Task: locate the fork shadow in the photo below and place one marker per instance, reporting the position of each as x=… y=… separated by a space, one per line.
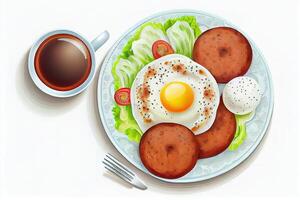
x=118 y=180
x=152 y=183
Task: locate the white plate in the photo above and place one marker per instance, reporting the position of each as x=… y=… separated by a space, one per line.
x=205 y=168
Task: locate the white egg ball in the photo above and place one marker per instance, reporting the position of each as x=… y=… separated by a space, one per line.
x=241 y=95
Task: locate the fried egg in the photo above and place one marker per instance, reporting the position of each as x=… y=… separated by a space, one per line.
x=175 y=89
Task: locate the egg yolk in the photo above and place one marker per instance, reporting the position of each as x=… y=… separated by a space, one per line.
x=176 y=96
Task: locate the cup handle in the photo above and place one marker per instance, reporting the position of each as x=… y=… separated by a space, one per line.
x=100 y=40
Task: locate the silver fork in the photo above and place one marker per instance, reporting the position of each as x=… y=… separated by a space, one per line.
x=117 y=168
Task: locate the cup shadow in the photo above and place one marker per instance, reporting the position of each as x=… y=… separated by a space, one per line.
x=35 y=99
x=152 y=183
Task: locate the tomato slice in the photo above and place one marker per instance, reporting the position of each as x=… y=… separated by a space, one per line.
x=161 y=48
x=122 y=96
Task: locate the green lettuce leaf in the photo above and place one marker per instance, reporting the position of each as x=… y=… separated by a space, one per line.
x=191 y=20
x=127 y=49
x=135 y=54
x=138 y=52
x=241 y=131
x=125 y=122
x=182 y=33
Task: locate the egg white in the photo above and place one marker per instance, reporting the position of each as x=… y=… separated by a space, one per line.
x=194 y=116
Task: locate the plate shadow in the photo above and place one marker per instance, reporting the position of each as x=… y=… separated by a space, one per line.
x=155 y=184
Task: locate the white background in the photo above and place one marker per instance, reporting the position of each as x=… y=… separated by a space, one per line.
x=52 y=148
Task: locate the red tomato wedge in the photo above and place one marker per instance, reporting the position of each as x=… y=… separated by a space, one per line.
x=161 y=48
x=122 y=96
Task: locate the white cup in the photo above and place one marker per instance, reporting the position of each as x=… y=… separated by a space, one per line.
x=92 y=48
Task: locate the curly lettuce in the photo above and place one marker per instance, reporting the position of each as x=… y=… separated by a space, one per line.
x=148 y=31
x=138 y=52
x=191 y=20
x=182 y=33
x=241 y=131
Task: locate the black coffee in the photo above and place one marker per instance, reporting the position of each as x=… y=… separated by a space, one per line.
x=63 y=62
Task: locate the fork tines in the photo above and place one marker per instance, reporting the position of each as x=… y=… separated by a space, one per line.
x=117 y=168
x=114 y=166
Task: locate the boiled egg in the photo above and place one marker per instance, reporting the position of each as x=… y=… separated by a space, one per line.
x=242 y=95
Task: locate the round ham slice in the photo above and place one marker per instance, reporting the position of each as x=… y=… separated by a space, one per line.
x=219 y=136
x=224 y=51
x=169 y=150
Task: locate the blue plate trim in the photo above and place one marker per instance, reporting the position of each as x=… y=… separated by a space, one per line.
x=227 y=167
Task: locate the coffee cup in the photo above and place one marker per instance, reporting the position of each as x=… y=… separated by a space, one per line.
x=61 y=63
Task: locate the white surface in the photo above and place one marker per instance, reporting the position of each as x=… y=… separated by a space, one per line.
x=52 y=148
